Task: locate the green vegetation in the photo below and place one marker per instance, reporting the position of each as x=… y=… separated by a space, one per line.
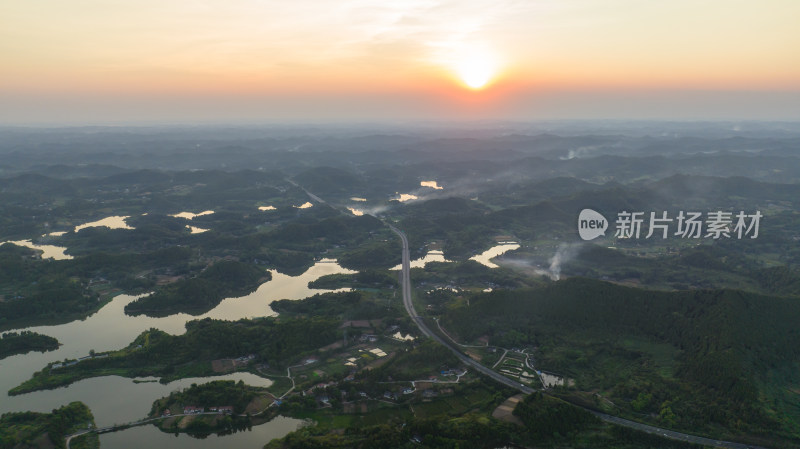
x=368 y=278
x=44 y=291
x=376 y=254
x=704 y=266
x=47 y=430
x=292 y=247
x=227 y=406
x=472 y=274
x=160 y=251
x=545 y=417
x=50 y=299
x=280 y=385
x=33 y=290
x=12 y=343
x=156 y=353
x=700 y=360
x=210 y=394
x=721 y=359
x=464 y=432
x=426 y=358
x=353 y=305
x=476 y=430
x=130 y=271
x=458 y=222
x=202 y=293
x=349 y=410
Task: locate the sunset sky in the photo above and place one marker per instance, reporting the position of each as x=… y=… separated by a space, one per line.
x=113 y=61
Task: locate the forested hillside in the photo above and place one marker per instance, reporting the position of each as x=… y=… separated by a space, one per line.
x=688 y=359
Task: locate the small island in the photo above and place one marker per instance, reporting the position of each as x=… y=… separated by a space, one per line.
x=13 y=343
x=219 y=406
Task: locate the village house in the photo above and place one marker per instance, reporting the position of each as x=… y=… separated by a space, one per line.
x=368 y=338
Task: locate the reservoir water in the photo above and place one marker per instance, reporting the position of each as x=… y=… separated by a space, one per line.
x=190 y=215
x=149 y=436
x=430 y=256
x=48 y=251
x=114 y=399
x=485 y=258
x=114 y=222
x=58 y=252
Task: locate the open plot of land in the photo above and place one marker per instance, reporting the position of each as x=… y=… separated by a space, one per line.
x=504 y=411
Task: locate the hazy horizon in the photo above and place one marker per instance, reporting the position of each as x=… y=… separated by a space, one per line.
x=185 y=62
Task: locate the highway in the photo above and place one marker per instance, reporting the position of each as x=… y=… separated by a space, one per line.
x=423 y=328
x=409 y=305
x=310 y=195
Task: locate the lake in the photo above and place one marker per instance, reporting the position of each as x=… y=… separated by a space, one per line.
x=115 y=399
x=485 y=258
x=48 y=251
x=58 y=252
x=115 y=222
x=150 y=436
x=430 y=256
x=190 y=215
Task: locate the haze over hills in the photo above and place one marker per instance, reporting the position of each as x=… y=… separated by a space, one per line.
x=175 y=234
x=420 y=224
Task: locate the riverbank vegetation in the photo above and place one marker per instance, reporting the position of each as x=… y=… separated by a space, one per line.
x=352 y=305
x=170 y=357
x=202 y=293
x=47 y=430
x=366 y=279
x=214 y=407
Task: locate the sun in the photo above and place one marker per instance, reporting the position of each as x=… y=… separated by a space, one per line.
x=476 y=70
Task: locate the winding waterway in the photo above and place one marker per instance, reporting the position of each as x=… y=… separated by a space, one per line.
x=485 y=258
x=115 y=399
x=113 y=222
x=430 y=256
x=48 y=251
x=149 y=436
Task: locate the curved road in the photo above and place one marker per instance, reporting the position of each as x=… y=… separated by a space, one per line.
x=409 y=305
